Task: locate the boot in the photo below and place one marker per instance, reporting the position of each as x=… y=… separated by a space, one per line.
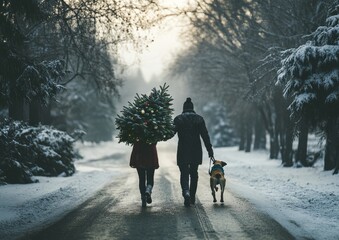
x=148 y=194
x=186 y=195
x=192 y=199
x=143 y=200
x=193 y=188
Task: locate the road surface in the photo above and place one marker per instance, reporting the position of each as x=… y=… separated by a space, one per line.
x=115 y=212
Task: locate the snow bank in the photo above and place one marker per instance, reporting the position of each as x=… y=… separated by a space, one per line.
x=27 y=206
x=303 y=200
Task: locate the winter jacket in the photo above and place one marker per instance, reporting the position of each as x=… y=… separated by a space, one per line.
x=144 y=155
x=190 y=127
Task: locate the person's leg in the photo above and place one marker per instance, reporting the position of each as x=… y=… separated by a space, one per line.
x=142 y=187
x=150 y=183
x=184 y=182
x=194 y=181
x=150 y=176
x=142 y=180
x=184 y=178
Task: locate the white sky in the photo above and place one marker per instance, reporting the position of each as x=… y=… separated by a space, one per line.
x=167 y=42
x=157 y=55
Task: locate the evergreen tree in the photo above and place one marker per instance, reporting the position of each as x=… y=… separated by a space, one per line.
x=219 y=125
x=310 y=76
x=147 y=119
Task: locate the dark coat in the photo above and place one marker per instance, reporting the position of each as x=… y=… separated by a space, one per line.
x=144 y=156
x=190 y=127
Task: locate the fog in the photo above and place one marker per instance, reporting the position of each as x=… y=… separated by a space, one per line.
x=146 y=68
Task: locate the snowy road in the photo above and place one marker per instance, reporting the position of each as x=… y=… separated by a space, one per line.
x=115 y=212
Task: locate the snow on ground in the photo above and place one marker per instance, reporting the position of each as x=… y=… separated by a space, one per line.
x=28 y=206
x=304 y=200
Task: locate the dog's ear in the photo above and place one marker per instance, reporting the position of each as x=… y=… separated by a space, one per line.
x=223 y=163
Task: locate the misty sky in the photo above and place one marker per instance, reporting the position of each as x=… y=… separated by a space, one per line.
x=167 y=41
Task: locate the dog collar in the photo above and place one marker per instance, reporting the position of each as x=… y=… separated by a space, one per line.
x=215 y=167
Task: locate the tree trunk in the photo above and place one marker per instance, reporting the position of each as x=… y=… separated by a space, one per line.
x=38 y=113
x=289 y=146
x=18 y=108
x=330 y=148
x=277 y=144
x=329 y=154
x=46 y=117
x=272 y=145
x=279 y=136
x=259 y=134
x=242 y=138
x=284 y=128
x=34 y=113
x=268 y=123
x=249 y=133
x=286 y=140
x=301 y=155
x=336 y=133
x=282 y=147
x=336 y=170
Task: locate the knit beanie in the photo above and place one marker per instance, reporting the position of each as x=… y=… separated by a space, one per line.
x=188 y=105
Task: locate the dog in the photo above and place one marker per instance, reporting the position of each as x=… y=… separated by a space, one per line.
x=217 y=176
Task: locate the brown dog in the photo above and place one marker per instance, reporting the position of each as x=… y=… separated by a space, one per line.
x=218 y=177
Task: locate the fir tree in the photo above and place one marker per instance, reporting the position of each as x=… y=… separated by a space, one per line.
x=147 y=119
x=310 y=76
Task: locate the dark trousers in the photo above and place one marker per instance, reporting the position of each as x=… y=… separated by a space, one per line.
x=189 y=178
x=146 y=177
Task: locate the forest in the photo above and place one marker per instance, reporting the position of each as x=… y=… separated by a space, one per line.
x=267 y=68
x=271 y=68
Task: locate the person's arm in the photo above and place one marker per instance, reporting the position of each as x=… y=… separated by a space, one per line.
x=206 y=138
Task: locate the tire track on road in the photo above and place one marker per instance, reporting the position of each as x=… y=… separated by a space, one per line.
x=205 y=223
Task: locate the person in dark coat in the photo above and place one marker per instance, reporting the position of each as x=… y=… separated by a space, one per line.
x=144 y=158
x=190 y=127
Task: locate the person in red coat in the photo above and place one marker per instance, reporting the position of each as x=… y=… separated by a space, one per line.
x=144 y=158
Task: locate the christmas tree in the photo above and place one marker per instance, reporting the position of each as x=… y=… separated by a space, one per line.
x=147 y=119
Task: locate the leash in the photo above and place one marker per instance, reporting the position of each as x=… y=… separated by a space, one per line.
x=209 y=168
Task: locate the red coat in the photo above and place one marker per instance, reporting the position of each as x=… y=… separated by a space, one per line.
x=144 y=156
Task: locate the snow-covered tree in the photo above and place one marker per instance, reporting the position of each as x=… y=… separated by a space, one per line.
x=28 y=151
x=83 y=108
x=17 y=21
x=219 y=126
x=40 y=81
x=310 y=75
